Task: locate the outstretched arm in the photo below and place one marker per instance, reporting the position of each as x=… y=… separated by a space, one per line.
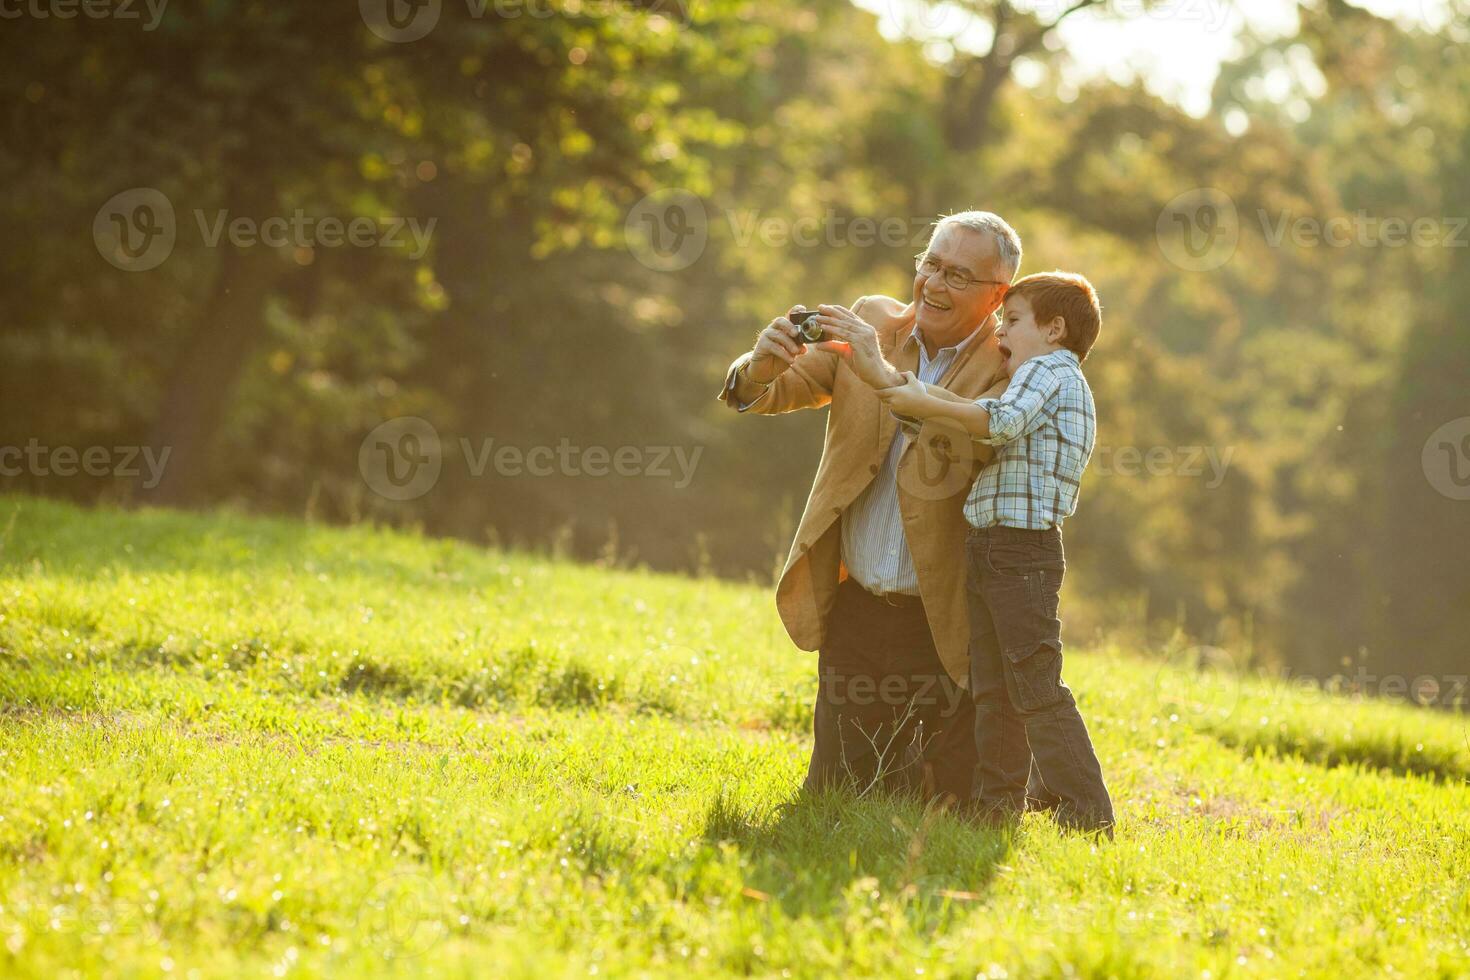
x=995 y=421
x=780 y=374
x=917 y=400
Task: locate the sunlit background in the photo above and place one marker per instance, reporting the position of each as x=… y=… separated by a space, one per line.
x=571 y=216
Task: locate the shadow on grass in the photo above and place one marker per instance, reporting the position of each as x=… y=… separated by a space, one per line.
x=822 y=850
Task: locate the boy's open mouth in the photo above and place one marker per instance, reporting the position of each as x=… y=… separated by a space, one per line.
x=1005 y=352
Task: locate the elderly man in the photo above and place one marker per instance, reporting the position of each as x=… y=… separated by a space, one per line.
x=875 y=580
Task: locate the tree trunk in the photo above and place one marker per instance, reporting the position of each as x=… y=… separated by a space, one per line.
x=196 y=399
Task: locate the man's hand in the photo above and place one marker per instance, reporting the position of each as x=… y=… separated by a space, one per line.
x=776 y=349
x=907 y=398
x=857 y=341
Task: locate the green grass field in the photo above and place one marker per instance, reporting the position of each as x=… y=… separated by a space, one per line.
x=233 y=746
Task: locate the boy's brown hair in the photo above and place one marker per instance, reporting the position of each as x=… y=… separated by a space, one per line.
x=1069 y=296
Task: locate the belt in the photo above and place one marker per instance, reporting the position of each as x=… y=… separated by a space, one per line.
x=899 y=600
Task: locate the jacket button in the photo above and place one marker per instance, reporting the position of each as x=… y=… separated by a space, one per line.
x=873 y=468
x=836 y=511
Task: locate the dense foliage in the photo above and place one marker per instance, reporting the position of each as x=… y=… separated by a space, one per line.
x=1270 y=422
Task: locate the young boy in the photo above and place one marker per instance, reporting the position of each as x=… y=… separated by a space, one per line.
x=1043 y=427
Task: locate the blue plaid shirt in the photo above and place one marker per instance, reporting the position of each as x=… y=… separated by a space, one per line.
x=1044 y=428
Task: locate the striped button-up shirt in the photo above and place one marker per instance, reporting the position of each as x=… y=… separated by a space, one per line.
x=1044 y=427
x=874 y=547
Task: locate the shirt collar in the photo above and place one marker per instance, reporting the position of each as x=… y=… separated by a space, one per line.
x=916 y=338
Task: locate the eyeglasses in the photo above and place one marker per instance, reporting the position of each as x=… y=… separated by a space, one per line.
x=954 y=278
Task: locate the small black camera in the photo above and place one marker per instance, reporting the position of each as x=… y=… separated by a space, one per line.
x=811 y=333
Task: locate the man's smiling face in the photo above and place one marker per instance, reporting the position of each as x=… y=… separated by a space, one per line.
x=947 y=315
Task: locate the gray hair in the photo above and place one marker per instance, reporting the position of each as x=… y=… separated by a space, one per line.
x=1007 y=242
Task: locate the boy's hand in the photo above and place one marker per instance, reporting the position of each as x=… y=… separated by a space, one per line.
x=857 y=341
x=905 y=398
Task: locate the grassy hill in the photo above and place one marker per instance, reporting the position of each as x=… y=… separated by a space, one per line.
x=242 y=747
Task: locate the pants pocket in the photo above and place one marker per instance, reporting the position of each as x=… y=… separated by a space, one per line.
x=1023 y=604
x=1035 y=674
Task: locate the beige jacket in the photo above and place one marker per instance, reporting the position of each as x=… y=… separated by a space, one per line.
x=934 y=477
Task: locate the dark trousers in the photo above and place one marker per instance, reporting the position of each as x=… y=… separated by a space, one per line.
x=887 y=713
x=1023 y=710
